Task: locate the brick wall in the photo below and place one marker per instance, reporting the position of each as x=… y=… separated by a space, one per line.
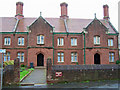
x=71 y=73
x=40 y=27
x=67 y=48
x=14 y=48
x=11 y=74
x=95 y=28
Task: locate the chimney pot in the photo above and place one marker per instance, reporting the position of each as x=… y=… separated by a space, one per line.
x=64 y=10
x=106 y=12
x=19 y=10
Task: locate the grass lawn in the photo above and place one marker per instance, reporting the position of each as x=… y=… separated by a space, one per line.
x=24 y=72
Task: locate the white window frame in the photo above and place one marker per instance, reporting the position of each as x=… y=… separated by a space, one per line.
x=111 y=56
x=40 y=39
x=74 y=56
x=7 y=41
x=110 y=42
x=21 y=56
x=60 y=56
x=21 y=41
x=7 y=56
x=60 y=41
x=73 y=41
x=96 y=40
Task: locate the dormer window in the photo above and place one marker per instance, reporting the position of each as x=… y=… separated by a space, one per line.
x=96 y=40
x=21 y=41
x=40 y=39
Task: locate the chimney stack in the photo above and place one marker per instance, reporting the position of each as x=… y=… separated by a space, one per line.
x=19 y=10
x=64 y=10
x=106 y=12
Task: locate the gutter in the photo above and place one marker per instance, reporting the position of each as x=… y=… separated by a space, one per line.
x=16 y=25
x=66 y=27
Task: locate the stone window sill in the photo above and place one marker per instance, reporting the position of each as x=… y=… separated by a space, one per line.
x=97 y=44
x=60 y=62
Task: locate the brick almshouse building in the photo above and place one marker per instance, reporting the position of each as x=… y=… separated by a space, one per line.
x=65 y=40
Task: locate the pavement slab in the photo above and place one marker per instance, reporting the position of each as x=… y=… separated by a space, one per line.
x=38 y=76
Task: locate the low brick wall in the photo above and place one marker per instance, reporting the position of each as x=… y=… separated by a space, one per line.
x=70 y=73
x=11 y=74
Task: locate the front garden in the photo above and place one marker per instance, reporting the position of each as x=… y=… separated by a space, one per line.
x=24 y=71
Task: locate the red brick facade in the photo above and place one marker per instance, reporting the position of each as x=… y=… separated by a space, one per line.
x=83 y=30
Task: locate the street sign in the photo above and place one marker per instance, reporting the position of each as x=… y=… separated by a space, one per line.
x=2 y=50
x=58 y=74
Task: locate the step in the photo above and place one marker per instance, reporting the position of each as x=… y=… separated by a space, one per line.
x=32 y=84
x=40 y=67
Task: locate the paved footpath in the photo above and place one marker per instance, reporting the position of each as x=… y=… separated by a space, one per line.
x=38 y=76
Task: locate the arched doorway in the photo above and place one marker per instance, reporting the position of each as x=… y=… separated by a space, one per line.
x=40 y=60
x=97 y=58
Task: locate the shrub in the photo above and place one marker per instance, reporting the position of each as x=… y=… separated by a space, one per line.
x=22 y=68
x=77 y=63
x=22 y=65
x=118 y=62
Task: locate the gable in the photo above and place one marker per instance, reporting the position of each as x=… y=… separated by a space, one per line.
x=40 y=22
x=95 y=24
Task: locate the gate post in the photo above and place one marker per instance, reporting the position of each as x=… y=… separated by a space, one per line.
x=17 y=70
x=49 y=70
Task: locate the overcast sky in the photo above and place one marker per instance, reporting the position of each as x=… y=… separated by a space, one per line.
x=51 y=8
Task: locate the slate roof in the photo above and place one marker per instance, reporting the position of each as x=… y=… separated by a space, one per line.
x=7 y=24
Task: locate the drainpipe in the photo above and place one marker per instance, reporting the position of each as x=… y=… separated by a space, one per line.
x=53 y=45
x=84 y=46
x=27 y=43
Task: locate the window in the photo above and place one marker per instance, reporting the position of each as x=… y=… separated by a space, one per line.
x=73 y=41
x=21 y=41
x=60 y=57
x=96 y=39
x=111 y=57
x=21 y=56
x=7 y=41
x=110 y=42
x=60 y=41
x=74 y=57
x=7 y=56
x=40 y=39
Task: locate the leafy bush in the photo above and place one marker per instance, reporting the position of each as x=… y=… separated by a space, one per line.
x=118 y=62
x=22 y=65
x=77 y=63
